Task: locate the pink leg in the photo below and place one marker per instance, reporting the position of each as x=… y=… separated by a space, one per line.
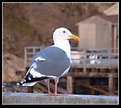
x=48 y=85
x=56 y=89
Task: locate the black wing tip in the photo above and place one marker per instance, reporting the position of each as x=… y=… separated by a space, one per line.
x=36 y=79
x=20 y=83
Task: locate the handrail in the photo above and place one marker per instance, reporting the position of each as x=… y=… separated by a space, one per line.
x=80 y=56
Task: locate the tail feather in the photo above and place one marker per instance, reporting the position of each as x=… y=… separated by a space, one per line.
x=32 y=77
x=27 y=82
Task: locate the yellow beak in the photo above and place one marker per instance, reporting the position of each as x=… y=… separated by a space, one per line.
x=74 y=37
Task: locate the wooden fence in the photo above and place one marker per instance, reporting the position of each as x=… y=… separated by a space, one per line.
x=85 y=58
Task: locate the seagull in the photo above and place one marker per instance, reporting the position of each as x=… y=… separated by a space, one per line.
x=52 y=62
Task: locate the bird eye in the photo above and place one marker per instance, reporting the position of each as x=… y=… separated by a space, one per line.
x=64 y=31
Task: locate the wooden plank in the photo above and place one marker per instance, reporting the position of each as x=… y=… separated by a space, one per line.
x=84 y=62
x=29 y=53
x=90 y=74
x=93 y=66
x=69 y=84
x=94 y=88
x=111 y=84
x=41 y=86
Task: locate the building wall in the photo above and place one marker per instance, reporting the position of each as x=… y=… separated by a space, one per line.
x=95 y=35
x=87 y=35
x=103 y=35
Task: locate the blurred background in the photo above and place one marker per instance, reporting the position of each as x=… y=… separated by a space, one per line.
x=32 y=24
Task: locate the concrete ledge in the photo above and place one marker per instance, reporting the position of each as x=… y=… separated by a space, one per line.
x=42 y=99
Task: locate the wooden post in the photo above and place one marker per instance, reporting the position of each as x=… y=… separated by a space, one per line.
x=110 y=83
x=69 y=84
x=109 y=58
x=84 y=61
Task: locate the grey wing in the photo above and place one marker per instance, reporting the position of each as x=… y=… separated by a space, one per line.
x=50 y=63
x=55 y=63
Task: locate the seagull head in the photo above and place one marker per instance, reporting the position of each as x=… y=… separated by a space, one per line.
x=63 y=34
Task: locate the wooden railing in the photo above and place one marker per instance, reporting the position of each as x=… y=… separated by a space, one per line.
x=29 y=52
x=82 y=58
